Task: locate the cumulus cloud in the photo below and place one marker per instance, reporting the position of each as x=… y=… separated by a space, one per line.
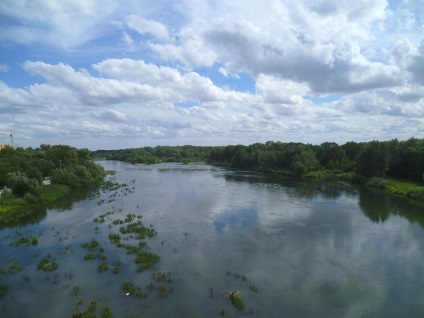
x=65 y=24
x=147 y=27
x=213 y=72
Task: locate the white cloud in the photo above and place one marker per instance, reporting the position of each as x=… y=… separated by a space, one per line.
x=213 y=72
x=147 y=27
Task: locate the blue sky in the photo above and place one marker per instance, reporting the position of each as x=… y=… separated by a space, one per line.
x=111 y=74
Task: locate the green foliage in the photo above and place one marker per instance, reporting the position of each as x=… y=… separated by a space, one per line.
x=162 y=277
x=20 y=184
x=22 y=171
x=164 y=291
x=237 y=302
x=47 y=264
x=132 y=290
x=373 y=160
x=377 y=183
x=146 y=260
x=3 y=290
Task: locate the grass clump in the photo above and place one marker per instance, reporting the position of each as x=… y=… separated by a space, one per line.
x=92 y=246
x=237 y=302
x=3 y=290
x=47 y=264
x=146 y=260
x=164 y=291
x=162 y=277
x=25 y=241
x=115 y=238
x=91 y=311
x=132 y=290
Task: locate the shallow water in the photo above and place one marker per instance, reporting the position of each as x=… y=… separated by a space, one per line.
x=324 y=249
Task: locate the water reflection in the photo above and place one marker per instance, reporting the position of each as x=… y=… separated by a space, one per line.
x=309 y=248
x=378 y=205
x=242 y=218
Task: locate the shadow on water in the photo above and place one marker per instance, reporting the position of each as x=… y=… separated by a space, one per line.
x=378 y=205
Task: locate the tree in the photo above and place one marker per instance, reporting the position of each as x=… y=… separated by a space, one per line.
x=373 y=160
x=304 y=162
x=20 y=184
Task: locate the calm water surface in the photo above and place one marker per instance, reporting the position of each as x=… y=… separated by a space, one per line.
x=325 y=249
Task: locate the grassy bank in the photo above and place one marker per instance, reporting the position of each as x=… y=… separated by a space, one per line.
x=48 y=194
x=397 y=186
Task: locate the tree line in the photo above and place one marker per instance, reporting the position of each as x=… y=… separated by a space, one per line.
x=22 y=171
x=394 y=158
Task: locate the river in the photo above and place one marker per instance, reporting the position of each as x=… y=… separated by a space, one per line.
x=286 y=249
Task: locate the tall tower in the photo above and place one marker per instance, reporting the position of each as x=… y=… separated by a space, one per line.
x=11 y=139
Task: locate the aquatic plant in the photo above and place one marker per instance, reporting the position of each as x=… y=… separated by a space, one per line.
x=13 y=268
x=47 y=264
x=91 y=310
x=131 y=290
x=34 y=241
x=103 y=267
x=106 y=313
x=25 y=241
x=237 y=302
x=253 y=288
x=114 y=238
x=92 y=246
x=162 y=277
x=164 y=291
x=76 y=290
x=3 y=290
x=146 y=260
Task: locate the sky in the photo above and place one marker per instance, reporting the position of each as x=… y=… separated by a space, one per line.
x=114 y=74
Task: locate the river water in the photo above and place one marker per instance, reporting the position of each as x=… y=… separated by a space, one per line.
x=290 y=249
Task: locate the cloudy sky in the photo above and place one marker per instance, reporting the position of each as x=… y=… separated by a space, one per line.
x=111 y=74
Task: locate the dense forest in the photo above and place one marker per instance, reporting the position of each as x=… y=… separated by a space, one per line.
x=22 y=171
x=365 y=161
x=42 y=174
x=401 y=159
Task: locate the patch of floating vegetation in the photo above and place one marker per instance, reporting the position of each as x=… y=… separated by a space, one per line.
x=26 y=241
x=3 y=290
x=76 y=290
x=131 y=290
x=91 y=310
x=234 y=295
x=237 y=302
x=164 y=291
x=12 y=268
x=47 y=264
x=146 y=260
x=162 y=277
x=138 y=231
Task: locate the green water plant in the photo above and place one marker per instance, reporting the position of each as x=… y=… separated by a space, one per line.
x=3 y=290
x=47 y=264
x=162 y=277
x=237 y=302
x=146 y=260
x=164 y=291
x=131 y=290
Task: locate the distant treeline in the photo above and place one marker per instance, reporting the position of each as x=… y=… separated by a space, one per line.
x=22 y=172
x=401 y=159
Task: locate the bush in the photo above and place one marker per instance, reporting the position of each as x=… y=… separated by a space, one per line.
x=6 y=194
x=417 y=194
x=377 y=183
x=21 y=184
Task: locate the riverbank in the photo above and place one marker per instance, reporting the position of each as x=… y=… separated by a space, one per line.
x=400 y=187
x=48 y=194
x=403 y=187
